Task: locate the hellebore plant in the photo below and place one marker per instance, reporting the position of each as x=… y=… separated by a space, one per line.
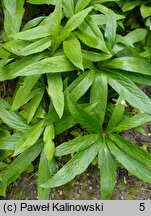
x=91 y=67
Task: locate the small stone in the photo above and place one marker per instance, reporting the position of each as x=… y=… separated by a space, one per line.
x=60 y=193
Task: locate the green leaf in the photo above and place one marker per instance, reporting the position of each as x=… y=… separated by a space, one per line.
x=74 y=55
x=73 y=23
x=82 y=116
x=86 y=35
x=105 y=10
x=133 y=122
x=90 y=34
x=13 y=14
x=129 y=5
x=96 y=30
x=110 y=30
x=48 y=65
x=68 y=7
x=133 y=37
x=81 y=5
x=12 y=119
x=9 y=142
x=102 y=1
x=145 y=11
x=29 y=138
x=77 y=165
x=99 y=93
x=8 y=72
x=131 y=149
x=19 y=166
x=107 y=165
x=56 y=25
x=40 y=31
x=34 y=103
x=76 y=145
x=24 y=91
x=80 y=85
x=136 y=78
x=132 y=93
x=133 y=64
x=131 y=164
x=49 y=146
x=95 y=56
x=43 y=175
x=32 y=23
x=55 y=91
x=25 y=48
x=40 y=1
x=66 y=122
x=117 y=113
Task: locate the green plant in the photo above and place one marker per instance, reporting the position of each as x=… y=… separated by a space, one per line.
x=82 y=56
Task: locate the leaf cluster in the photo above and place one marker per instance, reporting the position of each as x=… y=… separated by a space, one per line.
x=82 y=64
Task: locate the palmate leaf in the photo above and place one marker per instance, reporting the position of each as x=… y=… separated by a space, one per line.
x=133 y=95
x=107 y=165
x=76 y=145
x=77 y=165
x=131 y=149
x=19 y=166
x=133 y=122
x=55 y=91
x=99 y=92
x=131 y=164
x=29 y=138
x=13 y=14
x=74 y=55
x=117 y=113
x=24 y=91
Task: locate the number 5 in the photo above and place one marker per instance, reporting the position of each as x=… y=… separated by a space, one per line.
x=142 y=206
